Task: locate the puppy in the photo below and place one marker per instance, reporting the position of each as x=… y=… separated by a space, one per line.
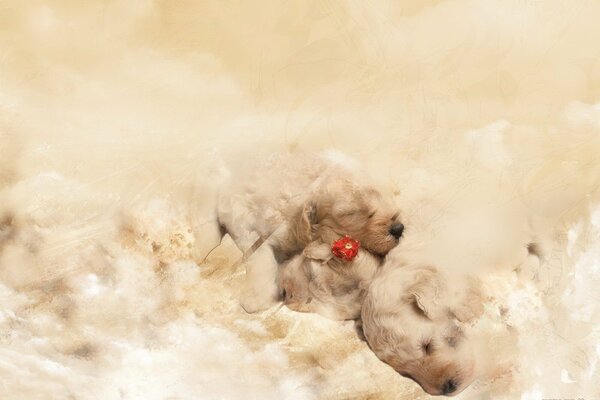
x=318 y=281
x=274 y=208
x=412 y=320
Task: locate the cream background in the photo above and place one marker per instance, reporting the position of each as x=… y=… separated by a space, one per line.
x=481 y=115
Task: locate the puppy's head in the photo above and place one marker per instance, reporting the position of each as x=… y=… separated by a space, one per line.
x=410 y=324
x=316 y=281
x=343 y=207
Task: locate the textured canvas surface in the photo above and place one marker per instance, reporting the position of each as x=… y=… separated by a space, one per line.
x=482 y=116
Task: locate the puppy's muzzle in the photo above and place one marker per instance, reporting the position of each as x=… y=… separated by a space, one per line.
x=396 y=230
x=449 y=387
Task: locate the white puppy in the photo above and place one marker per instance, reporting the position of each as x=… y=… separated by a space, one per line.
x=318 y=281
x=274 y=208
x=412 y=319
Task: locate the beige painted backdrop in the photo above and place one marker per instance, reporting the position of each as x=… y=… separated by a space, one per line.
x=114 y=115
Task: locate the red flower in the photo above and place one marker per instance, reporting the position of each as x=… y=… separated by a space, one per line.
x=345 y=248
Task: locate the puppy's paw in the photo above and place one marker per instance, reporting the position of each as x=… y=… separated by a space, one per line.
x=468 y=313
x=252 y=304
x=470 y=308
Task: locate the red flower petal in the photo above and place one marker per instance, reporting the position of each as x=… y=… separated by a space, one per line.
x=345 y=248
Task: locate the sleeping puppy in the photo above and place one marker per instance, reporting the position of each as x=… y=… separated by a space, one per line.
x=318 y=281
x=274 y=208
x=413 y=320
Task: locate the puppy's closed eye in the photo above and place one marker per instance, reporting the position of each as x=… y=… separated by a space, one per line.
x=452 y=341
x=454 y=337
x=427 y=347
x=348 y=213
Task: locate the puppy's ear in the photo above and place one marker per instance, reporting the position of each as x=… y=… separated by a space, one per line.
x=318 y=250
x=424 y=293
x=301 y=226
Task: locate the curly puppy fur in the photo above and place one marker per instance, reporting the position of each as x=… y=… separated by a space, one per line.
x=274 y=208
x=413 y=320
x=316 y=281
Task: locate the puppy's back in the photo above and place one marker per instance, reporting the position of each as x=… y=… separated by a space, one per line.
x=262 y=193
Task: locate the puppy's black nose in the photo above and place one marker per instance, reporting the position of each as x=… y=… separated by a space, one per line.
x=449 y=386
x=396 y=230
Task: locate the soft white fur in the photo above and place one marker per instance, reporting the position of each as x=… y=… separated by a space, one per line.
x=412 y=320
x=316 y=281
x=421 y=307
x=274 y=207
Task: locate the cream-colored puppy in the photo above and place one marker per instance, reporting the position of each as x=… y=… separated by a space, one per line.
x=275 y=207
x=317 y=281
x=413 y=320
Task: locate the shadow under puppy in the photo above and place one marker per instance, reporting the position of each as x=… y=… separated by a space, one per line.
x=273 y=209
